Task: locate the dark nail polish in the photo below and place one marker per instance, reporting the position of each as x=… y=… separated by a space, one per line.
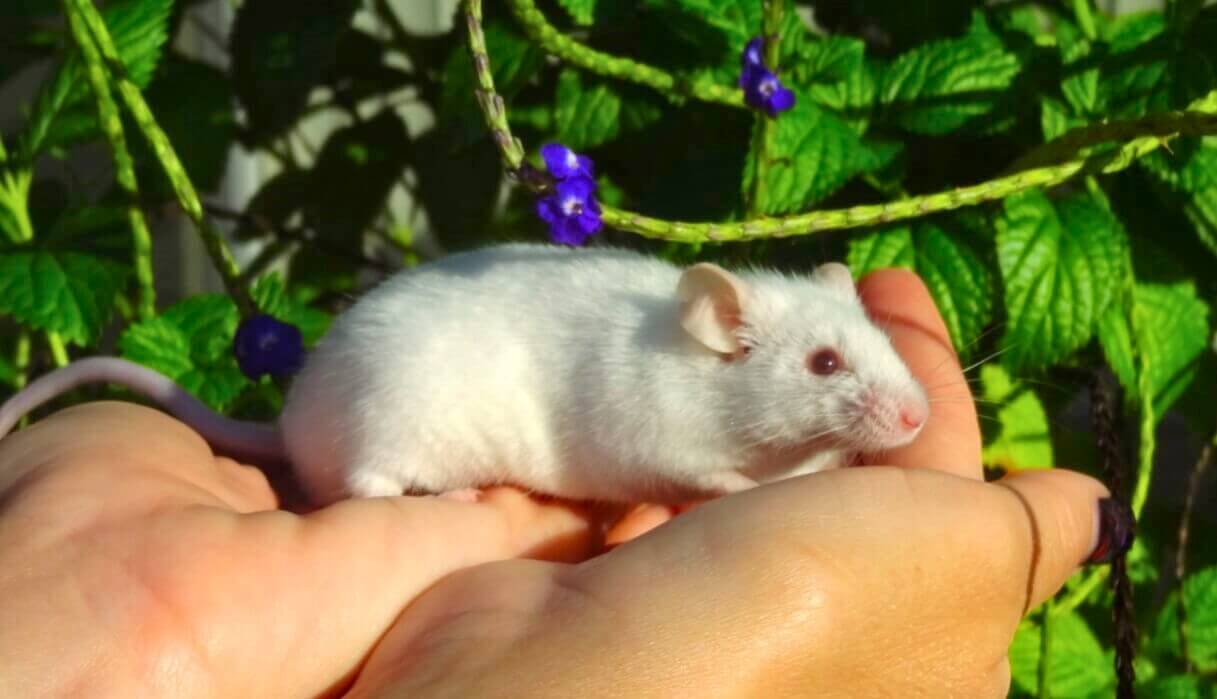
x=1116 y=531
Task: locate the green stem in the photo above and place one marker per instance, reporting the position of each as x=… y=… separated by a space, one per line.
x=541 y=31
x=187 y=197
x=15 y=193
x=59 y=353
x=1145 y=455
x=763 y=130
x=1041 y=671
x=1085 y=17
x=1083 y=591
x=124 y=167
x=1060 y=163
x=493 y=107
x=21 y=359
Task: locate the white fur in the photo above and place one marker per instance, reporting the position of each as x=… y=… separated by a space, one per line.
x=568 y=372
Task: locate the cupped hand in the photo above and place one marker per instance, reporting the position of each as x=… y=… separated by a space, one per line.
x=133 y=562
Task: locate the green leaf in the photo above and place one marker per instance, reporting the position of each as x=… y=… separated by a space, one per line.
x=590 y=116
x=63 y=113
x=582 y=11
x=279 y=57
x=959 y=279
x=939 y=87
x=1172 y=687
x=840 y=79
x=1200 y=589
x=1191 y=179
x=1171 y=326
x=1061 y=265
x=273 y=298
x=892 y=247
x=1021 y=438
x=953 y=270
x=811 y=154
x=191 y=343
x=64 y=292
x=1077 y=666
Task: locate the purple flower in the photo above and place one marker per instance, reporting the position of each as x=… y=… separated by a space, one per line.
x=264 y=345
x=762 y=89
x=563 y=162
x=572 y=212
x=753 y=56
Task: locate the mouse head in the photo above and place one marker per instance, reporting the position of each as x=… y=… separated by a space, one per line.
x=803 y=362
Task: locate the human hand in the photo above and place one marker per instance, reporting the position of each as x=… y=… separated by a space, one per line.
x=904 y=580
x=184 y=578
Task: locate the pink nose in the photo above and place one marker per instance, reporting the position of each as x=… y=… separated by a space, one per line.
x=913 y=416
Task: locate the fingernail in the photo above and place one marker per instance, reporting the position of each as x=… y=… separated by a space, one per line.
x=1116 y=531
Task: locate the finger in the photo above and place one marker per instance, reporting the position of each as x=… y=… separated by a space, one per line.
x=81 y=451
x=950 y=441
x=1061 y=510
x=637 y=522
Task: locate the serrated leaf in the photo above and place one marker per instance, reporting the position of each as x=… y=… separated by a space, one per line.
x=959 y=279
x=582 y=11
x=1061 y=265
x=811 y=154
x=1191 y=179
x=956 y=275
x=1019 y=437
x=938 y=87
x=65 y=292
x=587 y=116
x=279 y=57
x=1077 y=666
x=840 y=79
x=273 y=298
x=708 y=36
x=1171 y=327
x=191 y=343
x=881 y=249
x=63 y=112
x=1200 y=587
x=1055 y=118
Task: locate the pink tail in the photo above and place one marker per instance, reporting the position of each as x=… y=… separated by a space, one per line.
x=258 y=442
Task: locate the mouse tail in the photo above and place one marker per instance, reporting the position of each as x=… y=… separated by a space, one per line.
x=255 y=441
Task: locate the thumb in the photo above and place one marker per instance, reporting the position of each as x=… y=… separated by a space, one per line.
x=1070 y=517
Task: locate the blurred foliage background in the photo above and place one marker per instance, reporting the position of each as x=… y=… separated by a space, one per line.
x=894 y=100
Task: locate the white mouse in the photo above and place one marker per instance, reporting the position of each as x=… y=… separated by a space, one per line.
x=591 y=374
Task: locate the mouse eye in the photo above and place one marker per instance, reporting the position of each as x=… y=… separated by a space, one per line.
x=824 y=362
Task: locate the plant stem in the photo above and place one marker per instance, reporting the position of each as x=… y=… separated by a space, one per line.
x=124 y=167
x=763 y=130
x=1185 y=521
x=21 y=359
x=1041 y=671
x=540 y=30
x=1058 y=160
x=167 y=157
x=1083 y=13
x=59 y=353
x=15 y=191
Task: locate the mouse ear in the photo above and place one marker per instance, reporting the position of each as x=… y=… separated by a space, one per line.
x=837 y=276
x=710 y=306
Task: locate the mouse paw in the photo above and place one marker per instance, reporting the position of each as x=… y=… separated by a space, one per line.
x=463 y=495
x=373 y=485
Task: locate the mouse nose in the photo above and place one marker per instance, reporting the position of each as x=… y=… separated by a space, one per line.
x=913 y=415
